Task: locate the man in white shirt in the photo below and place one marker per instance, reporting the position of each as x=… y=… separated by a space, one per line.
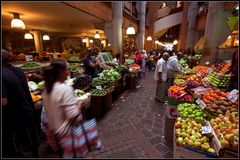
x=172 y=67
x=161 y=77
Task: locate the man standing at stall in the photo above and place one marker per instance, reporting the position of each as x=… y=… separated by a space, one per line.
x=172 y=67
x=19 y=134
x=161 y=77
x=90 y=64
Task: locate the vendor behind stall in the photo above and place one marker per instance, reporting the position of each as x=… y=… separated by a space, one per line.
x=90 y=64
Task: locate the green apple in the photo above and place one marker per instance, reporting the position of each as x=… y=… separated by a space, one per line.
x=193 y=138
x=180 y=140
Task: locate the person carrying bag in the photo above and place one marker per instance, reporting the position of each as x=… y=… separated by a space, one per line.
x=67 y=131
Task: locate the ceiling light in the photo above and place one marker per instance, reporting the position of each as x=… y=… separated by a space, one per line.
x=102 y=41
x=17 y=22
x=130 y=30
x=46 y=37
x=237 y=7
x=28 y=36
x=109 y=44
x=91 y=41
x=229 y=37
x=237 y=41
x=175 y=42
x=97 y=35
x=156 y=42
x=149 y=38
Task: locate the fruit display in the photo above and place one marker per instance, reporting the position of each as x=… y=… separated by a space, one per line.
x=180 y=76
x=180 y=82
x=226 y=128
x=189 y=133
x=189 y=71
x=98 y=92
x=82 y=81
x=31 y=65
x=74 y=58
x=222 y=67
x=129 y=61
x=193 y=81
x=20 y=57
x=134 y=67
x=218 y=79
x=176 y=92
x=36 y=98
x=214 y=95
x=193 y=111
x=221 y=106
x=183 y=63
x=200 y=68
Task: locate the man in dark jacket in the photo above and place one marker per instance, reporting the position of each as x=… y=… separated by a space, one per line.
x=19 y=135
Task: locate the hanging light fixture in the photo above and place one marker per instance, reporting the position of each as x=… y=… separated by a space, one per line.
x=102 y=41
x=91 y=41
x=130 y=30
x=28 y=36
x=46 y=37
x=17 y=22
x=149 y=38
x=229 y=37
x=156 y=41
x=97 y=35
x=109 y=44
x=175 y=42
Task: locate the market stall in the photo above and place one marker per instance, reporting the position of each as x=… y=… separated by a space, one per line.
x=205 y=113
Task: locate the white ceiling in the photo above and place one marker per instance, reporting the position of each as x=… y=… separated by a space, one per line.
x=52 y=17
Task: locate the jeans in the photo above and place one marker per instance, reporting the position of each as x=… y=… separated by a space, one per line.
x=150 y=65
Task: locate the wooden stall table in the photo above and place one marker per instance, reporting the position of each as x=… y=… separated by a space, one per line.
x=107 y=100
x=131 y=81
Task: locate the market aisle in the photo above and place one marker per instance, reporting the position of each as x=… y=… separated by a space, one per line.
x=133 y=128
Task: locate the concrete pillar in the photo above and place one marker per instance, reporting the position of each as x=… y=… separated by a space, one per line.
x=117 y=10
x=141 y=33
x=192 y=25
x=182 y=38
x=216 y=31
x=87 y=42
x=38 y=41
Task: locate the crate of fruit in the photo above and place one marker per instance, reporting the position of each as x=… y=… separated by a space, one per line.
x=174 y=101
x=194 y=140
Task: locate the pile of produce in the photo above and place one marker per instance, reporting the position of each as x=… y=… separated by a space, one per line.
x=201 y=68
x=81 y=95
x=105 y=57
x=98 y=92
x=218 y=79
x=32 y=86
x=121 y=69
x=41 y=85
x=179 y=82
x=193 y=81
x=112 y=75
x=36 y=98
x=189 y=132
x=134 y=67
x=31 y=65
x=98 y=81
x=226 y=127
x=74 y=67
x=179 y=93
x=188 y=110
x=74 y=58
x=129 y=61
x=189 y=71
x=183 y=63
x=214 y=95
x=221 y=106
x=198 y=55
x=180 y=76
x=222 y=67
x=82 y=81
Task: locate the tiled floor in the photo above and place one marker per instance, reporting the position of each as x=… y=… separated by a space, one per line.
x=133 y=128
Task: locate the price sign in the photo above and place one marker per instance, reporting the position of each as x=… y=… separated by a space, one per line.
x=99 y=87
x=210 y=70
x=55 y=55
x=233 y=95
x=28 y=57
x=101 y=74
x=201 y=103
x=206 y=129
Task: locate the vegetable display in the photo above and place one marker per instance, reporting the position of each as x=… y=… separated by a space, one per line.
x=74 y=58
x=82 y=81
x=41 y=85
x=98 y=92
x=74 y=67
x=31 y=65
x=81 y=95
x=112 y=75
x=32 y=86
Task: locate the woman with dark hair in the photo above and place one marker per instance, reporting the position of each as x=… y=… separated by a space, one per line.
x=60 y=103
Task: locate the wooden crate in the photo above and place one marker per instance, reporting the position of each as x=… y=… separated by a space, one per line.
x=131 y=83
x=95 y=110
x=107 y=102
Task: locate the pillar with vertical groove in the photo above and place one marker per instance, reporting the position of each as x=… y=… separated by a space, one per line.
x=141 y=33
x=117 y=10
x=38 y=41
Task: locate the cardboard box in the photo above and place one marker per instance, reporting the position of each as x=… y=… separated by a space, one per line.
x=185 y=151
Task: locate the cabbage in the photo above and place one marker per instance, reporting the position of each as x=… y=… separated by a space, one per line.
x=41 y=85
x=32 y=86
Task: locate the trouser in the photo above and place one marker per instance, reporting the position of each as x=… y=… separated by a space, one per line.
x=161 y=90
x=169 y=82
x=150 y=65
x=20 y=144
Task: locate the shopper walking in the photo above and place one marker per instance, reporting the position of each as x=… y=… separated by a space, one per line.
x=19 y=131
x=144 y=63
x=161 y=77
x=62 y=108
x=172 y=67
x=150 y=61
